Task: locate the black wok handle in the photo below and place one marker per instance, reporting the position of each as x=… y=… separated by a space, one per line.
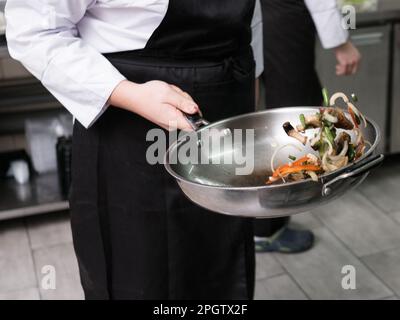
x=196 y=120
x=355 y=170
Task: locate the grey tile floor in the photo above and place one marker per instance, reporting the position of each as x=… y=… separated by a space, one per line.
x=361 y=229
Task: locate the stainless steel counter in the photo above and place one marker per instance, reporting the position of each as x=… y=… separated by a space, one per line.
x=41 y=195
x=374 y=37
x=388 y=11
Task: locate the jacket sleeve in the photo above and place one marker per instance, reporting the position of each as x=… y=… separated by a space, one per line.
x=43 y=36
x=328 y=21
x=257 y=39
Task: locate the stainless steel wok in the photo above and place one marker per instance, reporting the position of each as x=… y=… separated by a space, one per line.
x=219 y=188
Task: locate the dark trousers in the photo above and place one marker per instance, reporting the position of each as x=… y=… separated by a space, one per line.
x=290 y=77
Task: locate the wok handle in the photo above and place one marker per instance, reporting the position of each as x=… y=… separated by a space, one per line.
x=196 y=120
x=355 y=170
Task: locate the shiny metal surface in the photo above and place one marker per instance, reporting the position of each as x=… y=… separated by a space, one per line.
x=218 y=188
x=41 y=195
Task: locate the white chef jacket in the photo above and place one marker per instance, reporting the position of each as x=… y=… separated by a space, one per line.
x=60 y=42
x=328 y=22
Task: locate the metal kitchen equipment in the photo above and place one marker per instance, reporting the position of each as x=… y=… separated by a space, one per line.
x=372 y=80
x=218 y=188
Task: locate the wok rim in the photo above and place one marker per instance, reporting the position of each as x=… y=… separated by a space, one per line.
x=322 y=179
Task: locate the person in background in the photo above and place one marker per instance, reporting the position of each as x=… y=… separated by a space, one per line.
x=291 y=79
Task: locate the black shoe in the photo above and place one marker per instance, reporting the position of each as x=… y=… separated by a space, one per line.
x=286 y=240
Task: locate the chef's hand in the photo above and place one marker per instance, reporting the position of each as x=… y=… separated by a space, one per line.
x=157 y=101
x=348 y=59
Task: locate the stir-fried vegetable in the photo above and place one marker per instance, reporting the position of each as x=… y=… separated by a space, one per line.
x=329 y=135
x=304 y=165
x=335 y=148
x=351 y=153
x=293 y=169
x=303 y=121
x=325 y=97
x=356 y=120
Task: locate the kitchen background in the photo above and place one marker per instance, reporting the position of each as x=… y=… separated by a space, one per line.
x=362 y=229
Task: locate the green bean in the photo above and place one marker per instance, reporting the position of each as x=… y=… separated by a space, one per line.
x=329 y=135
x=325 y=95
x=303 y=120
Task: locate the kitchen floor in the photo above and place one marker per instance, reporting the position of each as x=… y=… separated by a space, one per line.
x=361 y=229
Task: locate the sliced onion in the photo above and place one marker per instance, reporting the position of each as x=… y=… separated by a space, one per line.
x=363 y=151
x=345 y=149
x=282 y=177
x=314 y=140
x=338 y=162
x=342 y=153
x=279 y=149
x=364 y=120
x=357 y=113
x=331 y=149
x=324 y=162
x=355 y=110
x=330 y=118
x=336 y=96
x=359 y=136
x=313 y=175
x=272 y=179
x=344 y=162
x=326 y=165
x=313 y=158
x=368 y=143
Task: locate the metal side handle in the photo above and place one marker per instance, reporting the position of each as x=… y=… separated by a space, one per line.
x=355 y=170
x=367 y=39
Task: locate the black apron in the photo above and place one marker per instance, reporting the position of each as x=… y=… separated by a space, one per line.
x=289 y=55
x=135 y=235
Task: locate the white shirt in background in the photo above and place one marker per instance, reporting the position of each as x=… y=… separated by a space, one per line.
x=328 y=22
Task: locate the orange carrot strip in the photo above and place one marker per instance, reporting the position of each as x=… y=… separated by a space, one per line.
x=300 y=168
x=287 y=165
x=300 y=161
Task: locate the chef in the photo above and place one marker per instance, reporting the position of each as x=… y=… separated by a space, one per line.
x=123 y=67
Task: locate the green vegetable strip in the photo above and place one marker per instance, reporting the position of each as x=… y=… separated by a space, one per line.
x=333 y=130
x=329 y=135
x=293 y=158
x=322 y=149
x=303 y=120
x=326 y=97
